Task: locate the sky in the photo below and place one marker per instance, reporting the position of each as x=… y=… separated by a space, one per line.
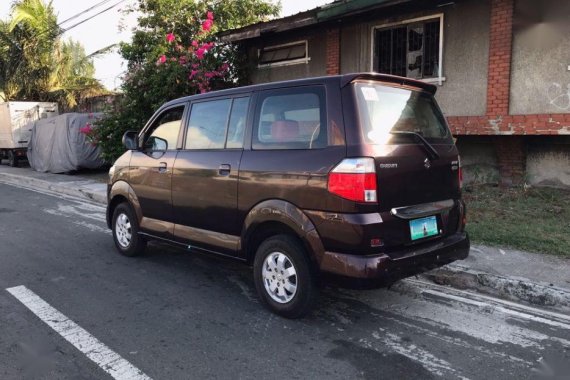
x=112 y=27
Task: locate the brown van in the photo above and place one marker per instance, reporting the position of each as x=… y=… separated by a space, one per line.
x=353 y=177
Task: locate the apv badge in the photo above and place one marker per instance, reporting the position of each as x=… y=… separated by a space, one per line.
x=427 y=163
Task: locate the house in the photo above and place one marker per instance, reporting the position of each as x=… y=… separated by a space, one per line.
x=502 y=68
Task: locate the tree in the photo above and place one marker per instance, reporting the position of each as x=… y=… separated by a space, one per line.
x=175 y=52
x=35 y=64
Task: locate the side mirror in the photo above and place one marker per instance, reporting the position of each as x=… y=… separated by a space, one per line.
x=130 y=140
x=156 y=144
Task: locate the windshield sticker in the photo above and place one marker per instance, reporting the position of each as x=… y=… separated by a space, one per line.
x=370 y=94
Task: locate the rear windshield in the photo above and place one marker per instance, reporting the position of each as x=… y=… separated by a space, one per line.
x=384 y=110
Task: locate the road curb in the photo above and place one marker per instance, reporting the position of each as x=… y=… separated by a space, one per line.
x=78 y=189
x=515 y=289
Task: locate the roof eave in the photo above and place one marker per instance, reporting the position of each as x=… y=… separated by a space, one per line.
x=326 y=13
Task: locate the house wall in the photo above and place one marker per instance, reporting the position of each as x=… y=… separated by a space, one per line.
x=548 y=161
x=465 y=54
x=540 y=79
x=315 y=67
x=507 y=82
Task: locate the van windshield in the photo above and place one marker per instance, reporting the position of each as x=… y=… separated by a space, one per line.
x=384 y=111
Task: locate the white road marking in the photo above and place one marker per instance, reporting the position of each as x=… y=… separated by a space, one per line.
x=432 y=363
x=93 y=227
x=103 y=356
x=73 y=211
x=92 y=204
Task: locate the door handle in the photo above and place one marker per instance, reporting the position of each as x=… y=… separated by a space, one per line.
x=162 y=167
x=224 y=169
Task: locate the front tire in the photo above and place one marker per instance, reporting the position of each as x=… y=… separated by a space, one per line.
x=126 y=231
x=283 y=277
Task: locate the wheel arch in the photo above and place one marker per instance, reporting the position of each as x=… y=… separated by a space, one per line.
x=273 y=217
x=121 y=192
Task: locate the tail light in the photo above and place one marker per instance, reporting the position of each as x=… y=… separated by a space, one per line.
x=460 y=172
x=354 y=179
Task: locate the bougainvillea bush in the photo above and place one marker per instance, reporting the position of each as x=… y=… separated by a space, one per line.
x=175 y=52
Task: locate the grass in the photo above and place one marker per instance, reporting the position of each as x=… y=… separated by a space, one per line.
x=533 y=219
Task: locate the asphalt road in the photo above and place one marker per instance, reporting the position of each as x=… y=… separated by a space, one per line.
x=178 y=315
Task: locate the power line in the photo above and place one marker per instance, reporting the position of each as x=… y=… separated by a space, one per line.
x=63 y=30
x=84 y=11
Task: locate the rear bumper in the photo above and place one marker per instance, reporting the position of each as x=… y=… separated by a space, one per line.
x=382 y=270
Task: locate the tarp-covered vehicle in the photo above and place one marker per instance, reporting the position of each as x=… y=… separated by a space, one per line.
x=59 y=144
x=15 y=121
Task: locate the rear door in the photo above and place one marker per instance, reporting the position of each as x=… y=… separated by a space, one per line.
x=417 y=163
x=205 y=183
x=406 y=133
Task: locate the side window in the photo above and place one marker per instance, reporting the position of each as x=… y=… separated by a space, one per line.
x=166 y=127
x=236 y=127
x=291 y=119
x=207 y=125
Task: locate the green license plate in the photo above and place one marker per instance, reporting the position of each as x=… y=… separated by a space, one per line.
x=424 y=227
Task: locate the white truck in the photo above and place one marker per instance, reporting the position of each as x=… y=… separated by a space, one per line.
x=15 y=124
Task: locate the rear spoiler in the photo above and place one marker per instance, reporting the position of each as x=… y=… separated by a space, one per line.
x=349 y=78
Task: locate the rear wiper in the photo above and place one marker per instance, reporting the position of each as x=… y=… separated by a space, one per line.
x=432 y=153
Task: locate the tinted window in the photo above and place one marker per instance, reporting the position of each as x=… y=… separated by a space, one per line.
x=167 y=127
x=384 y=110
x=291 y=120
x=207 y=125
x=237 y=123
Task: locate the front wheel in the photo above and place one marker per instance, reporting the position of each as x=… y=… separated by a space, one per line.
x=283 y=277
x=125 y=231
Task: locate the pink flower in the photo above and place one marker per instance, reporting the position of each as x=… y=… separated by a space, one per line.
x=210 y=74
x=86 y=129
x=161 y=59
x=182 y=60
x=195 y=66
x=170 y=37
x=210 y=15
x=225 y=67
x=207 y=46
x=193 y=74
x=195 y=43
x=207 y=25
x=200 y=53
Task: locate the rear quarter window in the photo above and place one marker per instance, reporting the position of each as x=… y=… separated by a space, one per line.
x=291 y=119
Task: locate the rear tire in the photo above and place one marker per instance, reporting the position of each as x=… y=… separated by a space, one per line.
x=283 y=277
x=126 y=231
x=12 y=159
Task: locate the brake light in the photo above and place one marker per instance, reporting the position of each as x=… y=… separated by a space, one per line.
x=460 y=172
x=354 y=179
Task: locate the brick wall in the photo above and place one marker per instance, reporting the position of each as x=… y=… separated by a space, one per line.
x=511 y=157
x=333 y=51
x=500 y=51
x=544 y=124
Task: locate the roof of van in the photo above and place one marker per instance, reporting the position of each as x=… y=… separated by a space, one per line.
x=342 y=81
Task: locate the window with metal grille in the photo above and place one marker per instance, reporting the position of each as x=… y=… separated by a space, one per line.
x=295 y=52
x=410 y=50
